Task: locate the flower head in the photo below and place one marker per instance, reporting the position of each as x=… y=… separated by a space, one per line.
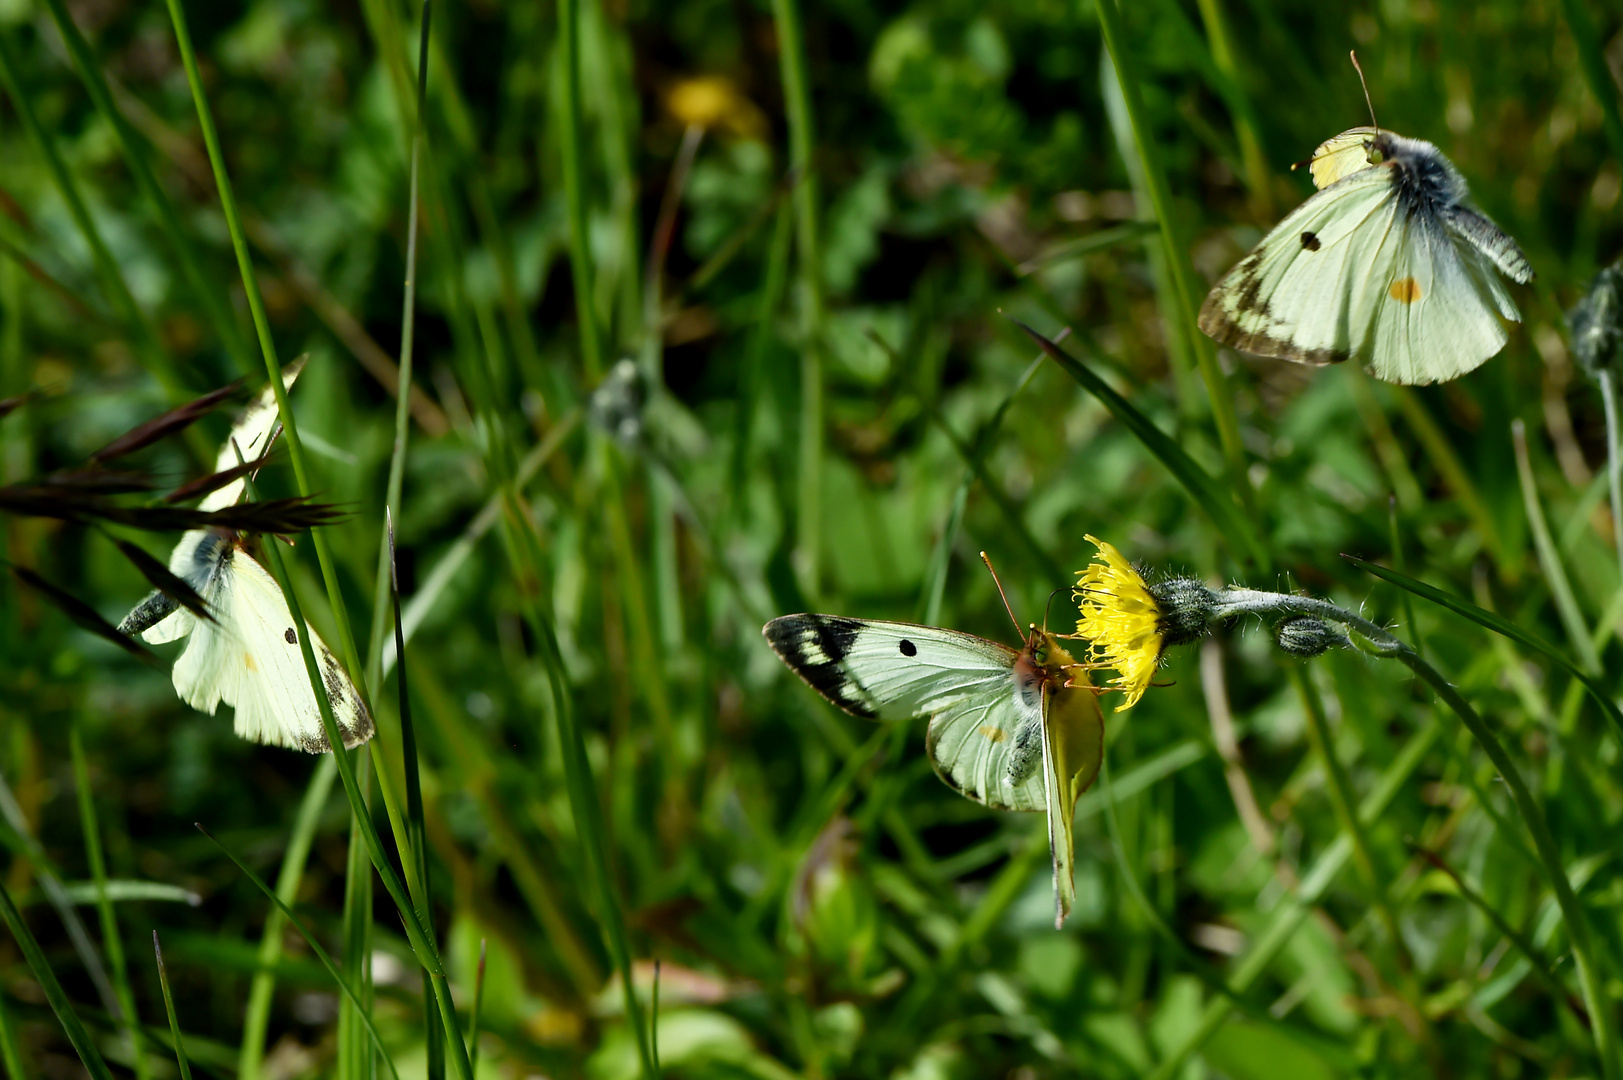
x=1121 y=620
x=1129 y=622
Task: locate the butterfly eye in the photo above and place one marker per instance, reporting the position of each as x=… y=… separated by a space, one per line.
x=1375 y=154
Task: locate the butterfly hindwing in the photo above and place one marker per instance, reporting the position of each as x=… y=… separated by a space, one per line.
x=1073 y=749
x=250 y=659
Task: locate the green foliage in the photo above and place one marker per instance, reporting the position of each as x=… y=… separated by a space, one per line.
x=830 y=399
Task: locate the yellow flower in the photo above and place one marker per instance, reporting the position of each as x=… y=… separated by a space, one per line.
x=714 y=101
x=1121 y=620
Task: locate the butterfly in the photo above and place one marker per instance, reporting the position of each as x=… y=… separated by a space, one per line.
x=1015 y=729
x=1387 y=263
x=248 y=656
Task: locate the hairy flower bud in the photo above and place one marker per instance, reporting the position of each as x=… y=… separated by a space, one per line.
x=1304 y=635
x=1186 y=609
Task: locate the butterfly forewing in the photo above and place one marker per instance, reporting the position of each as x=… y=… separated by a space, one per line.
x=890 y=670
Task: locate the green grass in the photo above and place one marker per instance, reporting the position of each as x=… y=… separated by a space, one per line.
x=589 y=766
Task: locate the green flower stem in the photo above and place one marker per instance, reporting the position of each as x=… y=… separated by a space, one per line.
x=1228 y=428
x=1614 y=466
x=797 y=102
x=1583 y=950
x=1369 y=638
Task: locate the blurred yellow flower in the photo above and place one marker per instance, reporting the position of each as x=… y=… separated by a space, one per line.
x=714 y=101
x=1121 y=620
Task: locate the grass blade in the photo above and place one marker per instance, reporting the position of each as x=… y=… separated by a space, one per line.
x=1490 y=621
x=808 y=250
x=1200 y=484
x=256 y=1017
x=1177 y=256
x=169 y=1010
x=1555 y=572
x=54 y=994
x=111 y=941
x=315 y=947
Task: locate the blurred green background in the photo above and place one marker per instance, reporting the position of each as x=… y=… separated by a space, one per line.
x=823 y=341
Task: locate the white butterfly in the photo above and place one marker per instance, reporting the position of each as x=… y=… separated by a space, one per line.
x=1388 y=264
x=249 y=656
x=1007 y=728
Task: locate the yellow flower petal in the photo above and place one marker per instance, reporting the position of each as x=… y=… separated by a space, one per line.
x=1121 y=621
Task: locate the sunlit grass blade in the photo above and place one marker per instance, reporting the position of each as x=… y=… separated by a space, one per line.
x=169 y=1010
x=1498 y=625
x=315 y=947
x=1555 y=571
x=256 y=1016
x=55 y=996
x=478 y=1004
x=1200 y=484
x=111 y=941
x=10 y=1049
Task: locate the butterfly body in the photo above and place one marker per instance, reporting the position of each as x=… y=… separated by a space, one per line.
x=1388 y=263
x=1007 y=727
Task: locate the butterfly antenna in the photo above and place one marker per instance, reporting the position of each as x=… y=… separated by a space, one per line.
x=1361 y=81
x=1019 y=632
x=1049 y=605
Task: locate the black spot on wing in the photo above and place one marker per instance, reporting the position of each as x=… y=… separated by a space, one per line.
x=291 y=637
x=908 y=648
x=1310 y=241
x=815 y=648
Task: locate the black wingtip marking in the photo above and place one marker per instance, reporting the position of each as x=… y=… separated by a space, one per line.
x=815 y=648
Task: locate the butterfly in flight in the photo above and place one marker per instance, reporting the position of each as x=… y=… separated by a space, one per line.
x=1388 y=263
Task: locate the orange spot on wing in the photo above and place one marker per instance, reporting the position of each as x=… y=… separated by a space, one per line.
x=1405 y=290
x=993 y=733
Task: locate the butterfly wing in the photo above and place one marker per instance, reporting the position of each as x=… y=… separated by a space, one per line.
x=1073 y=747
x=1340 y=156
x=984 y=739
x=1354 y=273
x=253 y=432
x=251 y=660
